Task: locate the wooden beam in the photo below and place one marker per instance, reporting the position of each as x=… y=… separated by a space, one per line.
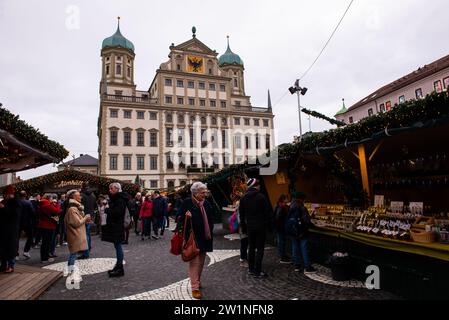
x=375 y=150
x=364 y=169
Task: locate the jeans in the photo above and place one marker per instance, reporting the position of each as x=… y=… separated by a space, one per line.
x=303 y=246
x=244 y=248
x=72 y=258
x=87 y=252
x=46 y=235
x=146 y=227
x=119 y=252
x=53 y=241
x=155 y=221
x=281 y=245
x=256 y=250
x=29 y=234
x=62 y=233
x=162 y=224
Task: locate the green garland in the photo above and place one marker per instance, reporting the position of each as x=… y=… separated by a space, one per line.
x=323 y=117
x=36 y=184
x=432 y=107
x=26 y=133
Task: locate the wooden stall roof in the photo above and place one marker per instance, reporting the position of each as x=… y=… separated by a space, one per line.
x=23 y=147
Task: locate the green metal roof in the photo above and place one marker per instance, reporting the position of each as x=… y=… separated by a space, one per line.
x=118 y=40
x=342 y=110
x=230 y=58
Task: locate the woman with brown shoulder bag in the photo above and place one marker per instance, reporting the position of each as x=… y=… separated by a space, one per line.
x=196 y=216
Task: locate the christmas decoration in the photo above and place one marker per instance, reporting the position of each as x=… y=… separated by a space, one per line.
x=36 y=184
x=29 y=135
x=323 y=117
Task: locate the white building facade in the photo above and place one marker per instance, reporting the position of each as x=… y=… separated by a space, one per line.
x=193 y=120
x=416 y=85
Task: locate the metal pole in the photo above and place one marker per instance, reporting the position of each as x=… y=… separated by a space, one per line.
x=310 y=124
x=299 y=110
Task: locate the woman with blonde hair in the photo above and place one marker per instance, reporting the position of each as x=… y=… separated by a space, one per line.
x=75 y=221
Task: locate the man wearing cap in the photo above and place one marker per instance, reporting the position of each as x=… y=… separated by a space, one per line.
x=10 y=209
x=300 y=242
x=255 y=215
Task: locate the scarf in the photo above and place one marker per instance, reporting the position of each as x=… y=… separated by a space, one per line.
x=200 y=204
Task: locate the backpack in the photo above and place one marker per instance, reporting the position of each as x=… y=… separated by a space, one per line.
x=294 y=227
x=127 y=220
x=233 y=223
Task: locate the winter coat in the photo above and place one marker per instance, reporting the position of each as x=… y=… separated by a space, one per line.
x=255 y=211
x=9 y=228
x=27 y=215
x=114 y=230
x=135 y=208
x=280 y=217
x=197 y=223
x=89 y=201
x=160 y=208
x=146 y=211
x=302 y=213
x=75 y=222
x=46 y=211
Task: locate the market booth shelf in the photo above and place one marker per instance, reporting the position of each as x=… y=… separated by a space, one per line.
x=367 y=186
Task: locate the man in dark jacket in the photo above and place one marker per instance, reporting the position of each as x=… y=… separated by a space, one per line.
x=27 y=217
x=300 y=241
x=135 y=211
x=89 y=201
x=255 y=217
x=114 y=230
x=160 y=210
x=10 y=209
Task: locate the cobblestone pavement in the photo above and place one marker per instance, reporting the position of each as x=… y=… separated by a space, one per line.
x=151 y=272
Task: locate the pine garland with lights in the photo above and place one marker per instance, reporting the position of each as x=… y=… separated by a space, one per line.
x=36 y=184
x=323 y=117
x=26 y=133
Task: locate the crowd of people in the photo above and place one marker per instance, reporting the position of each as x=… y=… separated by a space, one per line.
x=49 y=221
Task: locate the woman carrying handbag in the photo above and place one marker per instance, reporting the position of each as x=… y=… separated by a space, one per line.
x=196 y=217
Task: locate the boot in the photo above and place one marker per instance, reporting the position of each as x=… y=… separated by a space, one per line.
x=119 y=272
x=113 y=269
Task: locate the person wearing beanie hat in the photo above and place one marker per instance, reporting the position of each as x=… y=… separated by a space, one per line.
x=255 y=217
x=10 y=210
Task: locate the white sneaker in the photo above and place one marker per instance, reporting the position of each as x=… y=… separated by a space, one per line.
x=77 y=274
x=64 y=243
x=27 y=254
x=51 y=260
x=66 y=271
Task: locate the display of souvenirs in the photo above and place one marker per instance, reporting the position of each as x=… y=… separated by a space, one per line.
x=407 y=224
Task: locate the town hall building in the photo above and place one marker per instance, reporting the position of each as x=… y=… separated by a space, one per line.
x=194 y=119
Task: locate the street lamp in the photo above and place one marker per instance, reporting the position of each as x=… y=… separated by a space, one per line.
x=299 y=91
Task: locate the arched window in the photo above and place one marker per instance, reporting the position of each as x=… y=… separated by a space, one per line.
x=118 y=69
x=214 y=120
x=203 y=120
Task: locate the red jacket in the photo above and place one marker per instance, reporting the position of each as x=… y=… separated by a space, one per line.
x=146 y=211
x=46 y=211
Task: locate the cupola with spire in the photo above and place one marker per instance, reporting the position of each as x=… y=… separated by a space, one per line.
x=117 y=40
x=229 y=58
x=342 y=110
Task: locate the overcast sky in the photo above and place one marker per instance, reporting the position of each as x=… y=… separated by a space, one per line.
x=50 y=64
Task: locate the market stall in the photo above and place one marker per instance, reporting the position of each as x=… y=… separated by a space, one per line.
x=65 y=180
x=23 y=147
x=379 y=190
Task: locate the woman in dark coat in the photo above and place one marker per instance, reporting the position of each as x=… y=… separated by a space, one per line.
x=200 y=211
x=10 y=209
x=114 y=230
